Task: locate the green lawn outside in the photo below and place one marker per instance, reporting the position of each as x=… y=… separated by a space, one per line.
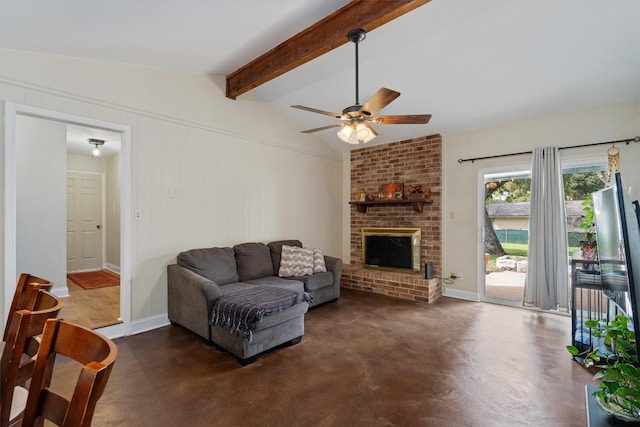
x=518 y=249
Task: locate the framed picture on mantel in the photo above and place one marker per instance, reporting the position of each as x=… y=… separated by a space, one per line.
x=393 y=190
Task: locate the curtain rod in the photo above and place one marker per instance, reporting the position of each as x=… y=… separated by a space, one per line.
x=626 y=141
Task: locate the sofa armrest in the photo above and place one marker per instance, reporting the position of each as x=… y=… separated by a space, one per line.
x=190 y=299
x=334 y=265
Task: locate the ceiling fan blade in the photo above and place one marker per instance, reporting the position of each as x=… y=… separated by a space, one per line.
x=407 y=119
x=335 y=125
x=315 y=110
x=379 y=100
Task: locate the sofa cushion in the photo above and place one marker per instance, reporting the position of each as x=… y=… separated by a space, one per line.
x=217 y=264
x=276 y=251
x=282 y=316
x=253 y=261
x=234 y=287
x=319 y=265
x=293 y=285
x=295 y=261
x=316 y=281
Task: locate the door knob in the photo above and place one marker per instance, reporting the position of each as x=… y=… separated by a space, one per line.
x=98 y=226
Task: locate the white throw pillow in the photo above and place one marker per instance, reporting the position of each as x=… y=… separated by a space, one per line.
x=319 y=265
x=295 y=261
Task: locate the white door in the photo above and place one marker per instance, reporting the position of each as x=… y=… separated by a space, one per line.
x=84 y=221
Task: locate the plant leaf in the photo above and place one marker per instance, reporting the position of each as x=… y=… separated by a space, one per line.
x=573 y=350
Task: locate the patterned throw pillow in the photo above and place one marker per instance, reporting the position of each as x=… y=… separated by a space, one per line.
x=295 y=261
x=319 y=265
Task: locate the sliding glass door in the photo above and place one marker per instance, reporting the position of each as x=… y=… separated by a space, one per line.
x=505 y=231
x=506 y=223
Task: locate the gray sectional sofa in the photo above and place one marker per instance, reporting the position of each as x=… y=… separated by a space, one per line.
x=204 y=279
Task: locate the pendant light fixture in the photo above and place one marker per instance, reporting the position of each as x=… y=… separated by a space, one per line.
x=97 y=143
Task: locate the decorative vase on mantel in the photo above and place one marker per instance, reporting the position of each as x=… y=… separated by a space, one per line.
x=417 y=192
x=417 y=196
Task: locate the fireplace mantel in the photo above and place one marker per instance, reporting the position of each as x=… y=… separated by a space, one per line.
x=416 y=161
x=416 y=204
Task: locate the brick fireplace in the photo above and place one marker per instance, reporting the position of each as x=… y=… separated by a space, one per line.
x=412 y=162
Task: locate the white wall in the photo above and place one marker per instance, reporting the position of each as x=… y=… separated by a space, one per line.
x=462 y=185
x=84 y=163
x=206 y=170
x=113 y=222
x=41 y=208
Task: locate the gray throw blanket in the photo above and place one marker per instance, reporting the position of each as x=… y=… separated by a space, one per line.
x=242 y=310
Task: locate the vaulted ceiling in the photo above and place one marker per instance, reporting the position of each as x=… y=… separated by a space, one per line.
x=471 y=64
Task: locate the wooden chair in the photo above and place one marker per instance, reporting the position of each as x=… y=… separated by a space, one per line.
x=15 y=369
x=95 y=352
x=25 y=296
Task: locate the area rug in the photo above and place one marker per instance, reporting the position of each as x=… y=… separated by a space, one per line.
x=94 y=279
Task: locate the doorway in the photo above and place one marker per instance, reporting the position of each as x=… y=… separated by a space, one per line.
x=13 y=114
x=505 y=234
x=93 y=225
x=505 y=231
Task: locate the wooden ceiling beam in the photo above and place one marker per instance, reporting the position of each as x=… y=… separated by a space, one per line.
x=316 y=40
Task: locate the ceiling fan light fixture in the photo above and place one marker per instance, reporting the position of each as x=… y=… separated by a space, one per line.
x=357 y=133
x=356 y=128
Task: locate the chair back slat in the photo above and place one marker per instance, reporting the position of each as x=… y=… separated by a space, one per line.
x=25 y=296
x=53 y=404
x=95 y=352
x=25 y=326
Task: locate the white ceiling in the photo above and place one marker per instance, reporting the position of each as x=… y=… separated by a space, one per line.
x=472 y=64
x=78 y=141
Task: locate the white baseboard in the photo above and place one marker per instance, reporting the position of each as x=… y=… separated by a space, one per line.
x=137 y=326
x=149 y=323
x=113 y=331
x=60 y=292
x=114 y=268
x=457 y=293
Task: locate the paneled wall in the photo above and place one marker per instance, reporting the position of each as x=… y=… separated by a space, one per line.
x=205 y=170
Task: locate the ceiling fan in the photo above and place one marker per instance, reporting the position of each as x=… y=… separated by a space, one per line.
x=356 y=127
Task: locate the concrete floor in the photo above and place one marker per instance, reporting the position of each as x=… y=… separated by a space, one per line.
x=367 y=360
x=507 y=285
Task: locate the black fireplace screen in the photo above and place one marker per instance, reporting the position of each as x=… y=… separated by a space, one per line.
x=393 y=248
x=388 y=251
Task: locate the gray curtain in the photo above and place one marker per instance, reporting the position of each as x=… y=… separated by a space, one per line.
x=546 y=283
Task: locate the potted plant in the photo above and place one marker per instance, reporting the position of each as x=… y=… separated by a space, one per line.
x=614 y=353
x=589 y=246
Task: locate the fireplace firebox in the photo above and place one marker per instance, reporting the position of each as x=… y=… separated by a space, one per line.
x=391 y=248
